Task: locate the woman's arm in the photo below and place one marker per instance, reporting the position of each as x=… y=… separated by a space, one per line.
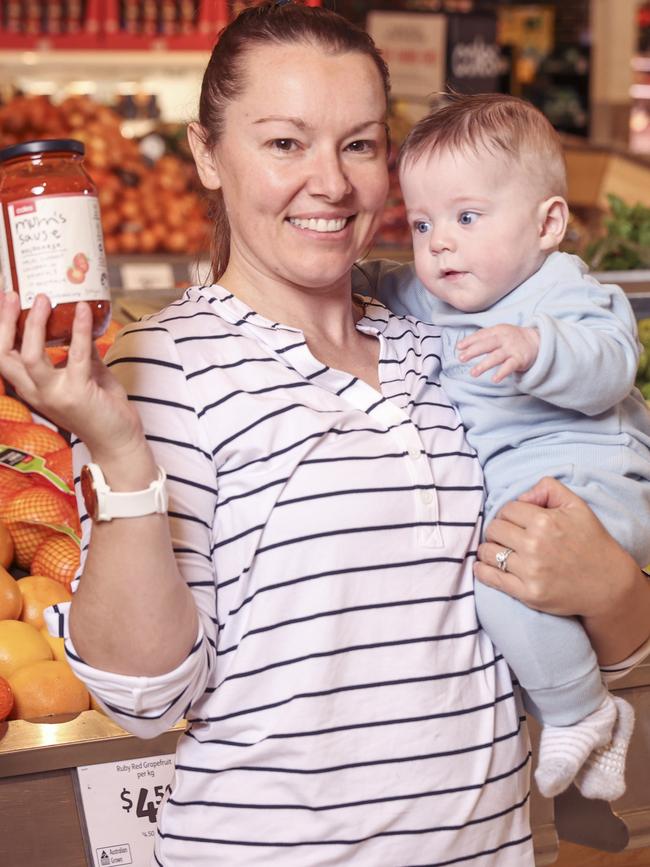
x=133 y=613
x=564 y=562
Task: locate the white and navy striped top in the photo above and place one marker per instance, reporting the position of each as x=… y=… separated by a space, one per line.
x=344 y=707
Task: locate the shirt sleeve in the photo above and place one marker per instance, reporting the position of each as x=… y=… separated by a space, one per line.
x=146 y=362
x=589 y=349
x=396 y=286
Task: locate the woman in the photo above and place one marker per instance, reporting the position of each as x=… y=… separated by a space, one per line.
x=308 y=604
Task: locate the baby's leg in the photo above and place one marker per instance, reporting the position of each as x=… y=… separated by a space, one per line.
x=558 y=670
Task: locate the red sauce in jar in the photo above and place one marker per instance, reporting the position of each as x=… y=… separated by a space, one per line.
x=50 y=234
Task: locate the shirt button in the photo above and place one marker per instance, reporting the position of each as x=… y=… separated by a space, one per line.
x=415 y=454
x=426 y=497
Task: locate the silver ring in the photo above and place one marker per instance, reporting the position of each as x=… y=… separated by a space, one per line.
x=502 y=559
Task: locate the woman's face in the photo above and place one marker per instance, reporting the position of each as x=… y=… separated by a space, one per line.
x=302 y=165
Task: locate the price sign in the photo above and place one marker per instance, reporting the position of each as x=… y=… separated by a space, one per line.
x=120 y=805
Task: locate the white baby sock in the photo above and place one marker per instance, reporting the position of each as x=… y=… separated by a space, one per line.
x=603 y=774
x=564 y=749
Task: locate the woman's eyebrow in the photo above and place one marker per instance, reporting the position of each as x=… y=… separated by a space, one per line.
x=302 y=125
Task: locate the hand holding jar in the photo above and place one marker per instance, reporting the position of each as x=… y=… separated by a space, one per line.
x=82 y=397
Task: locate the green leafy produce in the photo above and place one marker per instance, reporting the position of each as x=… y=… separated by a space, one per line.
x=626 y=242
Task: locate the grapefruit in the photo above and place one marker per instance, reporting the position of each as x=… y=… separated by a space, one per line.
x=39 y=592
x=11 y=599
x=58 y=557
x=12 y=409
x=37 y=439
x=47 y=688
x=6 y=699
x=20 y=644
x=6 y=547
x=56 y=644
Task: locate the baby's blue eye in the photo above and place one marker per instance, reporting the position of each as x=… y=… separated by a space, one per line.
x=421 y=227
x=467 y=218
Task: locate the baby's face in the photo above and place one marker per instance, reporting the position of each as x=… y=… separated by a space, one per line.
x=475 y=222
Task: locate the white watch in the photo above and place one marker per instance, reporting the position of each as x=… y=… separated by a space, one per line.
x=103 y=504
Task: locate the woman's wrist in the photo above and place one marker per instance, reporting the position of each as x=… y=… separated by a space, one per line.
x=131 y=467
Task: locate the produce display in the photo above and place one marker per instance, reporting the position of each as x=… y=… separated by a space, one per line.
x=146 y=206
x=39 y=556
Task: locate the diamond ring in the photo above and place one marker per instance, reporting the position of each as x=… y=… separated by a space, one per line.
x=502 y=559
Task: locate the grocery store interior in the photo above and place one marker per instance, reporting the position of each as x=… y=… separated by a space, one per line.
x=123 y=77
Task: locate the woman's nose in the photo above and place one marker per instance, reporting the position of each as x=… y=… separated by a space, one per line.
x=328 y=178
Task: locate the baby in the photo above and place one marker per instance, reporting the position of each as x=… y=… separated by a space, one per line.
x=552 y=393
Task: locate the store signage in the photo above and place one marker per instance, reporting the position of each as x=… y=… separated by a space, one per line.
x=120 y=803
x=474 y=60
x=147 y=275
x=413 y=46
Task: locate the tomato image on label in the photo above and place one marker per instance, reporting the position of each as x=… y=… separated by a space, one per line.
x=74 y=275
x=80 y=262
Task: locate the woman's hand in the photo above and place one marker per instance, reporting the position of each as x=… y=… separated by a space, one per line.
x=563 y=560
x=81 y=397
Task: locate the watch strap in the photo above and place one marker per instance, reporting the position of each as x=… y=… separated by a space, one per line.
x=129 y=504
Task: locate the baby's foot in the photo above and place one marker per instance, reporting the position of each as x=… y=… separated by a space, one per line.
x=564 y=749
x=603 y=774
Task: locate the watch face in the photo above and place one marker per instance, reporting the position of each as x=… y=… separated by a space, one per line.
x=88 y=492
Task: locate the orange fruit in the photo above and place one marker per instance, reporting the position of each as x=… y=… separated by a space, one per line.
x=6 y=547
x=20 y=644
x=58 y=557
x=37 y=439
x=29 y=510
x=26 y=539
x=11 y=599
x=11 y=482
x=13 y=410
x=2 y=385
x=60 y=462
x=39 y=592
x=56 y=644
x=47 y=688
x=6 y=699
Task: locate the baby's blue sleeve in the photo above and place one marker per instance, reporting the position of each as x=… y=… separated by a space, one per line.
x=589 y=349
x=396 y=286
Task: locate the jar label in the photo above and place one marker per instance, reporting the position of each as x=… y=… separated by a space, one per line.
x=58 y=249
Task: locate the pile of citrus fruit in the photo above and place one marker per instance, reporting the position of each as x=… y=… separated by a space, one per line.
x=35 y=678
x=39 y=556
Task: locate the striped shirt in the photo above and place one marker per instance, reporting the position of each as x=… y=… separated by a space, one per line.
x=344 y=706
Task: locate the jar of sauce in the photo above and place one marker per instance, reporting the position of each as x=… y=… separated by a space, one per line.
x=51 y=238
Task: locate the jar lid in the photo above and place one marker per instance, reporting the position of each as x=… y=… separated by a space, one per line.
x=28 y=148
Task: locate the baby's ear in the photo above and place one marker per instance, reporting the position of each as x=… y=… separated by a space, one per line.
x=204 y=157
x=553 y=217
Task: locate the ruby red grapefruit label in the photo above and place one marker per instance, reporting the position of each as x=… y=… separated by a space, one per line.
x=58 y=248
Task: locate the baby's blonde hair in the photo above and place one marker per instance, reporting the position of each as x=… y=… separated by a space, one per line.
x=499 y=124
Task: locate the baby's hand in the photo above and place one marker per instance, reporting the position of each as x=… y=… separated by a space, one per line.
x=509 y=347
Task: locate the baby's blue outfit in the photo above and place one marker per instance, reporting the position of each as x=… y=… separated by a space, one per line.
x=574 y=415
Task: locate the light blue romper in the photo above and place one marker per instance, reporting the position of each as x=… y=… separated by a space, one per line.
x=574 y=415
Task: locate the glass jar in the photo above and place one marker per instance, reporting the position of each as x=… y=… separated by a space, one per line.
x=51 y=234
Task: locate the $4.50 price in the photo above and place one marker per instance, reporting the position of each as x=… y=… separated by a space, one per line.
x=146 y=806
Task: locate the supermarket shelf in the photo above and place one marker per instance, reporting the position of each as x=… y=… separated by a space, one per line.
x=64 y=742
x=63 y=63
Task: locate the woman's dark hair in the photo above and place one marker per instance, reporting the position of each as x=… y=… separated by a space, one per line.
x=270 y=23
